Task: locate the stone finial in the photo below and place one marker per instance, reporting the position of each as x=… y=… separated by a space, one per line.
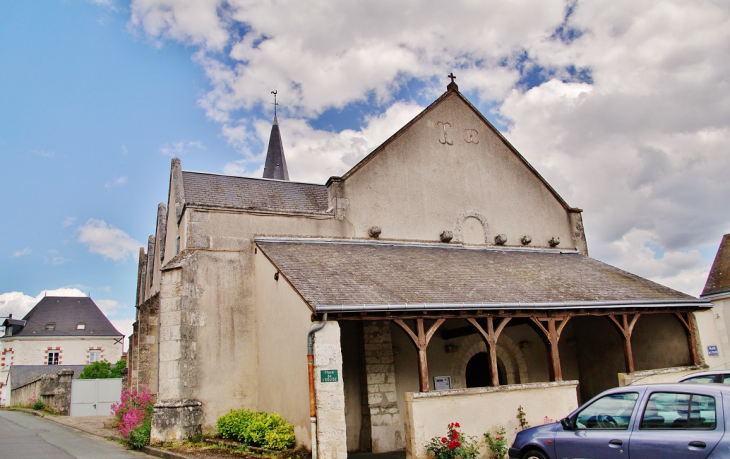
x=447 y=236
x=452 y=86
x=374 y=231
x=526 y=239
x=500 y=239
x=554 y=241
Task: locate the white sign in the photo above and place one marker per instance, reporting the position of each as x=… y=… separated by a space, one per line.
x=442 y=382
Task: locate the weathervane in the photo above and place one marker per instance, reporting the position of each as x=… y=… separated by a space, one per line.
x=274 y=92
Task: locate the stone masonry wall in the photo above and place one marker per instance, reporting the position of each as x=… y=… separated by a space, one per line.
x=386 y=431
x=147 y=345
x=54 y=390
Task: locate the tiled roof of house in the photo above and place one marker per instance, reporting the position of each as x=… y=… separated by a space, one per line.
x=21 y=374
x=65 y=313
x=718 y=281
x=225 y=191
x=347 y=275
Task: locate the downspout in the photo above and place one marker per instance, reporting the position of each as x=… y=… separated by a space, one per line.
x=310 y=365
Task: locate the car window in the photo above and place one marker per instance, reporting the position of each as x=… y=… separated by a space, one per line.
x=701 y=379
x=726 y=379
x=609 y=412
x=669 y=410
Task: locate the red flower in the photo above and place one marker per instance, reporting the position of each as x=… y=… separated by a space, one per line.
x=457 y=424
x=499 y=437
x=452 y=445
x=455 y=435
x=444 y=440
x=457 y=444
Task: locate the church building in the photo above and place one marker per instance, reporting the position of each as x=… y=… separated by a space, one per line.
x=440 y=279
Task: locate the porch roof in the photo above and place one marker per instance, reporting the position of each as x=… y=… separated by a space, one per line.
x=379 y=276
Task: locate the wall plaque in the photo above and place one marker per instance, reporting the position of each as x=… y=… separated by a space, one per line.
x=328 y=376
x=712 y=350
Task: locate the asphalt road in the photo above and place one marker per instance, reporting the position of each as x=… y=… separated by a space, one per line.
x=31 y=437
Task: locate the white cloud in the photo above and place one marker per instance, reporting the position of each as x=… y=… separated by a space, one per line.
x=68 y=221
x=107 y=241
x=110 y=307
x=45 y=153
x=118 y=181
x=125 y=327
x=21 y=253
x=180 y=148
x=630 y=120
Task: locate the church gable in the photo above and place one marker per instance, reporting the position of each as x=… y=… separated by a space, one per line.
x=450 y=170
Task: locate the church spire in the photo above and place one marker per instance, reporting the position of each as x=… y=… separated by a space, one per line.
x=275 y=166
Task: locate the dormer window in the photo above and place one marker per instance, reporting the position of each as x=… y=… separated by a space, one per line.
x=80 y=326
x=50 y=326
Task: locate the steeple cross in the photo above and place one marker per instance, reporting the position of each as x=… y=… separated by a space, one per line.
x=274 y=92
x=451 y=75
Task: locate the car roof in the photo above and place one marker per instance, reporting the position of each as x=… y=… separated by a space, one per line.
x=673 y=387
x=705 y=373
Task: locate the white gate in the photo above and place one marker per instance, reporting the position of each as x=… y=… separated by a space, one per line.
x=94 y=397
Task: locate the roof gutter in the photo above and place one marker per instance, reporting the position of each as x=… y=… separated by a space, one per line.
x=698 y=303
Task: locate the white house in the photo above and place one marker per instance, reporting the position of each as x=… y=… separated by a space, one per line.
x=58 y=332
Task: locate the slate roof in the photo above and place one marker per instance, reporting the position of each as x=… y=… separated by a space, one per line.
x=21 y=374
x=245 y=193
x=275 y=166
x=66 y=313
x=334 y=275
x=718 y=281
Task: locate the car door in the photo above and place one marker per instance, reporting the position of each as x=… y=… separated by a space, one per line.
x=678 y=425
x=600 y=430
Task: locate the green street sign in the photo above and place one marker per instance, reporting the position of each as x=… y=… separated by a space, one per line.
x=328 y=376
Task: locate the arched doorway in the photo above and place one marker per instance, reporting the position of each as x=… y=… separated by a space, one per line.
x=477 y=371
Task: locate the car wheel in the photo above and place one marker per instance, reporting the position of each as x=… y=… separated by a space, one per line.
x=535 y=454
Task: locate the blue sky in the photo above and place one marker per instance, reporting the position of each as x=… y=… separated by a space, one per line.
x=623 y=108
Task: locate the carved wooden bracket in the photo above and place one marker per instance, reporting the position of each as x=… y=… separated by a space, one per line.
x=421 y=340
x=626 y=328
x=491 y=336
x=552 y=333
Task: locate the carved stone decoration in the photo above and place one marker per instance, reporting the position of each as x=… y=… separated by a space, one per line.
x=554 y=241
x=374 y=231
x=526 y=239
x=458 y=231
x=445 y=140
x=471 y=136
x=447 y=236
x=500 y=239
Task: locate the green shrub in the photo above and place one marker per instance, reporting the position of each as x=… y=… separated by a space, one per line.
x=140 y=436
x=103 y=370
x=38 y=405
x=256 y=428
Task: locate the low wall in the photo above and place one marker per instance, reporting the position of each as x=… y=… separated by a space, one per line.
x=661 y=375
x=481 y=410
x=54 y=390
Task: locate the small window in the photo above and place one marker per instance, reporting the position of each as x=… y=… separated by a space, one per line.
x=701 y=379
x=80 y=326
x=94 y=356
x=53 y=357
x=50 y=326
x=672 y=411
x=177 y=245
x=610 y=412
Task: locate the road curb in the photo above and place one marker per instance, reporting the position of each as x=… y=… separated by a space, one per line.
x=157 y=452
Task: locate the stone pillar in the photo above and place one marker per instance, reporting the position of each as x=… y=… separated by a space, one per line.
x=177 y=414
x=146 y=345
x=386 y=428
x=330 y=396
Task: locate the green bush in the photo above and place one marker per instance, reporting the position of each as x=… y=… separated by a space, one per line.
x=38 y=405
x=103 y=370
x=140 y=436
x=256 y=428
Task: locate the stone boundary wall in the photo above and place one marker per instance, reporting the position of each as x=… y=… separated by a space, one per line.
x=54 y=390
x=483 y=409
x=661 y=375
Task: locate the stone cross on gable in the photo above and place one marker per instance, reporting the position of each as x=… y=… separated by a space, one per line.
x=451 y=75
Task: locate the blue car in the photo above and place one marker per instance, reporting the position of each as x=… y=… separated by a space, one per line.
x=662 y=421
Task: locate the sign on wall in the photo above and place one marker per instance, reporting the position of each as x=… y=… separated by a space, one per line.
x=328 y=376
x=712 y=350
x=442 y=382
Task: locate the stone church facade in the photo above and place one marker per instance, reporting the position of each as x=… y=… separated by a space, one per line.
x=442 y=271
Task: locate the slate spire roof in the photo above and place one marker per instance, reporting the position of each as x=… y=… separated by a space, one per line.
x=275 y=167
x=718 y=281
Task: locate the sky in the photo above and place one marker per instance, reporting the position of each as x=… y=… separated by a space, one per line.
x=623 y=106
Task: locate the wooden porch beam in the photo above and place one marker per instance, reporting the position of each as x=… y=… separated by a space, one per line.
x=687 y=320
x=626 y=328
x=552 y=333
x=490 y=337
x=421 y=340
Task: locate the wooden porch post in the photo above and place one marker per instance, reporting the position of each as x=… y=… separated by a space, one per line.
x=687 y=320
x=626 y=328
x=491 y=336
x=552 y=334
x=421 y=342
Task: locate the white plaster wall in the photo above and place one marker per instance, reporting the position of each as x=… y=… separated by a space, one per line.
x=660 y=375
x=283 y=323
x=481 y=410
x=75 y=350
x=707 y=334
x=417 y=187
x=721 y=309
